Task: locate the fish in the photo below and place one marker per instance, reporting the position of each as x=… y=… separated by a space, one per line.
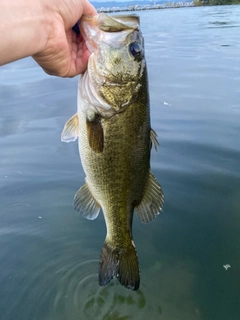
x=115 y=138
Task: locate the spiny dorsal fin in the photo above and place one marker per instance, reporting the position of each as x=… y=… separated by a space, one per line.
x=70 y=130
x=85 y=204
x=152 y=202
x=95 y=134
x=154 y=140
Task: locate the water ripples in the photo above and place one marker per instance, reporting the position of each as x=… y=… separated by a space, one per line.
x=79 y=294
x=55 y=284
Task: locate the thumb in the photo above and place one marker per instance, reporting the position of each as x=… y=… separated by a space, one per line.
x=89 y=9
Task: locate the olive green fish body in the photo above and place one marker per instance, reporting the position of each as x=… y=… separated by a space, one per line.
x=114 y=136
x=117 y=175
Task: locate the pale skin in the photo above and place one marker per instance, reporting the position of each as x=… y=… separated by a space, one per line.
x=43 y=29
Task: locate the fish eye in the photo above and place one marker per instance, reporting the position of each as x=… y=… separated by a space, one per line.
x=135 y=50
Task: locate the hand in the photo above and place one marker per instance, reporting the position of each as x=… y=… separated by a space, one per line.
x=65 y=53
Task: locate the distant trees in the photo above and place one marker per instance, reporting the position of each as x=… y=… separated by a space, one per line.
x=198 y=3
x=214 y=2
x=222 y=2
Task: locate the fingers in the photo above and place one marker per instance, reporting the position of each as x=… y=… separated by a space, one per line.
x=66 y=54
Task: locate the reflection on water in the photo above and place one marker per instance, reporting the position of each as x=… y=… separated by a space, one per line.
x=49 y=255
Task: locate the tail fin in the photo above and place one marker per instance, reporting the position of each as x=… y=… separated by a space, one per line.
x=120 y=263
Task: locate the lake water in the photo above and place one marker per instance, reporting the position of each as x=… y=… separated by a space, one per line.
x=49 y=255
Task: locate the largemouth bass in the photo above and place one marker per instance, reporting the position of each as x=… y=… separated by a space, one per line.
x=112 y=125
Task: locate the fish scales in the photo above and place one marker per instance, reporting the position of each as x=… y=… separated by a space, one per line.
x=115 y=138
x=113 y=175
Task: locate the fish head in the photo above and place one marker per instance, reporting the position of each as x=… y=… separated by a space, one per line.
x=116 y=64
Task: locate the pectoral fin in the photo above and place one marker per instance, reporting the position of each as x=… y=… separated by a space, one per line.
x=70 y=130
x=154 y=140
x=85 y=203
x=95 y=133
x=152 y=202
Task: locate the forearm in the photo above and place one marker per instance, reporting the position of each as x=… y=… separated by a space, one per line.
x=24 y=29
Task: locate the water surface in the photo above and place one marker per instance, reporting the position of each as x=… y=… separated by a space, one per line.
x=49 y=255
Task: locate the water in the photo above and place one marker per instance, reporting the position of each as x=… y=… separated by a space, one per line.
x=49 y=255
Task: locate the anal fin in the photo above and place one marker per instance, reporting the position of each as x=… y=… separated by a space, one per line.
x=152 y=201
x=85 y=203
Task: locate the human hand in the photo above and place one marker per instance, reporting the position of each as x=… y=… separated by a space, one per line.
x=65 y=53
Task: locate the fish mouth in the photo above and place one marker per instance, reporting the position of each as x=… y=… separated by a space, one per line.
x=89 y=30
x=112 y=31
x=118 y=23
x=110 y=87
x=111 y=23
x=92 y=27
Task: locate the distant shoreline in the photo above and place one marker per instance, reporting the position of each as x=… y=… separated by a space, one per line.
x=148 y=7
